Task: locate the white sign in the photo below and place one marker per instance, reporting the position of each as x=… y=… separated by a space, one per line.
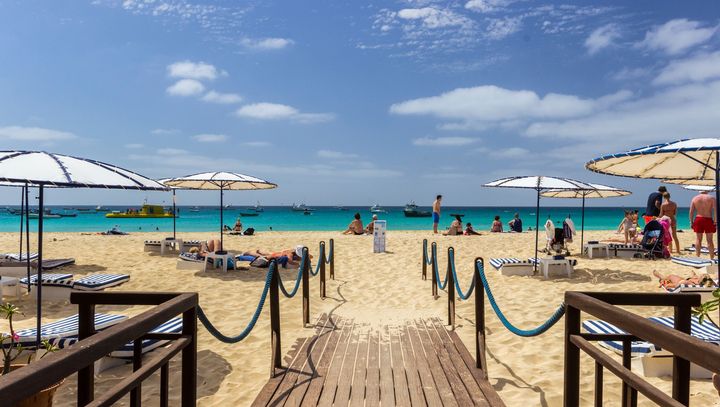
x=379 y=236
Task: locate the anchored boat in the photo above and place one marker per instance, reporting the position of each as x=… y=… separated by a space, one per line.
x=413 y=211
x=147 y=211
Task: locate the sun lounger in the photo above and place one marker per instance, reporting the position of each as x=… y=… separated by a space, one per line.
x=190 y=261
x=154 y=245
x=703 y=249
x=655 y=361
x=512 y=266
x=17 y=268
x=18 y=256
x=57 y=287
x=626 y=250
x=547 y=265
x=64 y=328
x=696 y=262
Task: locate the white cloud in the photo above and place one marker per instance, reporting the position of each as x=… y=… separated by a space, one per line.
x=21 y=133
x=480 y=105
x=627 y=74
x=171 y=151
x=193 y=70
x=186 y=87
x=134 y=145
x=276 y=111
x=677 y=35
x=697 y=68
x=256 y=144
x=210 y=138
x=601 y=38
x=487 y=6
x=444 y=141
x=335 y=155
x=432 y=17
x=265 y=44
x=164 y=132
x=500 y=28
x=221 y=98
x=512 y=152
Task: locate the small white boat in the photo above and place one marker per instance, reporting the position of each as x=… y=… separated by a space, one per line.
x=377 y=209
x=301 y=208
x=258 y=208
x=195 y=209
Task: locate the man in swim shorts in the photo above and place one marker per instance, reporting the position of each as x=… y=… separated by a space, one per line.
x=702 y=219
x=436 y=213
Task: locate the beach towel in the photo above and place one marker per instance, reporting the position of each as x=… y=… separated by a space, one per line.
x=568 y=231
x=696 y=262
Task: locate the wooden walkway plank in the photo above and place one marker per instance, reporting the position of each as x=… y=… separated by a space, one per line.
x=463 y=370
x=333 y=375
x=456 y=383
x=314 y=351
x=415 y=387
x=430 y=388
x=402 y=397
x=372 y=388
x=342 y=395
x=490 y=394
x=315 y=387
x=387 y=386
x=291 y=376
x=266 y=393
x=359 y=382
x=446 y=393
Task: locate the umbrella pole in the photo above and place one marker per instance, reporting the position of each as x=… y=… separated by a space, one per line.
x=22 y=219
x=582 y=225
x=717 y=199
x=39 y=265
x=221 y=217
x=174 y=214
x=27 y=232
x=537 y=226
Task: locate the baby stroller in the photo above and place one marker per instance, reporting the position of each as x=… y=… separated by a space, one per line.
x=652 y=240
x=556 y=243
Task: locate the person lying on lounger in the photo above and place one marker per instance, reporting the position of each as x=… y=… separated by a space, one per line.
x=293 y=256
x=674 y=280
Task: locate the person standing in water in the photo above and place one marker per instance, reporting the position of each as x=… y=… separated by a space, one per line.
x=436 y=213
x=702 y=219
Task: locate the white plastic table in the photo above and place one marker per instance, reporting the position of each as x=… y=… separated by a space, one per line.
x=174 y=243
x=546 y=263
x=215 y=257
x=589 y=247
x=9 y=285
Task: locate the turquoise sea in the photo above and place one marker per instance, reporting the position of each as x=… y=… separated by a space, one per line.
x=322 y=218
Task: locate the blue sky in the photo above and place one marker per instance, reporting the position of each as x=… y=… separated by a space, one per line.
x=346 y=102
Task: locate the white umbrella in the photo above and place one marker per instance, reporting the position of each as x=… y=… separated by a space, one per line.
x=694 y=160
x=221 y=181
x=539 y=183
x=598 y=191
x=42 y=169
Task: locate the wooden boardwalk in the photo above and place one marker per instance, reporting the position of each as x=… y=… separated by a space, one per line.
x=418 y=363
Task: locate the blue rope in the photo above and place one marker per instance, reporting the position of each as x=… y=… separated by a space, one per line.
x=235 y=339
x=429 y=260
x=460 y=294
x=320 y=261
x=297 y=283
x=330 y=256
x=517 y=331
x=437 y=273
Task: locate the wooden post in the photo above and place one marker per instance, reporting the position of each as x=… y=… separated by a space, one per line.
x=480 y=354
x=681 y=367
x=274 y=319
x=164 y=384
x=86 y=375
x=424 y=260
x=451 y=288
x=322 y=259
x=627 y=364
x=571 y=389
x=598 y=384
x=189 y=360
x=433 y=278
x=332 y=259
x=136 y=393
x=306 y=286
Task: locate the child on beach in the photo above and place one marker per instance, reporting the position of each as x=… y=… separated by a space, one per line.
x=628 y=228
x=469 y=230
x=497 y=226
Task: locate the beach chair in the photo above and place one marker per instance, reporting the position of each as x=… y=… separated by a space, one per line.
x=190 y=261
x=512 y=266
x=18 y=268
x=124 y=354
x=625 y=250
x=654 y=361
x=57 y=287
x=703 y=249
x=708 y=266
x=21 y=257
x=64 y=328
x=154 y=245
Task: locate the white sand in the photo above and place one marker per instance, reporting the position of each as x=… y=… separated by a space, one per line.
x=376 y=288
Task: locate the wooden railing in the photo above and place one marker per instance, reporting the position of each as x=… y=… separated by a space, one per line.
x=93 y=346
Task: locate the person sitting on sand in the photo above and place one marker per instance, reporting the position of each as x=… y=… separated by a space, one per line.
x=470 y=231
x=674 y=280
x=497 y=226
x=238 y=226
x=355 y=227
x=455 y=227
x=371 y=226
x=515 y=224
x=628 y=228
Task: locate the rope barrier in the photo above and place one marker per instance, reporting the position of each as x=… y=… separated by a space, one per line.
x=242 y=335
x=297 y=282
x=463 y=296
x=554 y=318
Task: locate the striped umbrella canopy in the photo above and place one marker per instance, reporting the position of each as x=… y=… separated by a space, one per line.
x=598 y=191
x=539 y=183
x=43 y=169
x=219 y=180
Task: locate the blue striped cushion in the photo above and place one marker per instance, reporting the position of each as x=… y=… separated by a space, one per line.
x=696 y=262
x=64 y=328
x=703 y=249
x=573 y=262
x=691 y=288
x=18 y=257
x=706 y=331
x=637 y=348
x=152 y=243
x=499 y=262
x=622 y=246
x=172 y=326
x=97 y=282
x=50 y=279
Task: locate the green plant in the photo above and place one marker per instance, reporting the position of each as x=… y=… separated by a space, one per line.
x=704 y=310
x=13 y=351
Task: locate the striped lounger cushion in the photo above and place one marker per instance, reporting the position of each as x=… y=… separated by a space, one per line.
x=50 y=279
x=499 y=262
x=691 y=288
x=622 y=246
x=638 y=348
x=18 y=257
x=693 y=261
x=97 y=282
x=64 y=328
x=187 y=256
x=531 y=260
x=707 y=331
x=185 y=243
x=703 y=250
x=152 y=243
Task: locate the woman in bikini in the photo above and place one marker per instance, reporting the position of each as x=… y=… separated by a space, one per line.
x=669 y=209
x=674 y=280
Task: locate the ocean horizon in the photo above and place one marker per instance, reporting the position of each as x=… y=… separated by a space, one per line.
x=322 y=218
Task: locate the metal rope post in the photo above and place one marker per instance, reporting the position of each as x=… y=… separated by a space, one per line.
x=306 y=286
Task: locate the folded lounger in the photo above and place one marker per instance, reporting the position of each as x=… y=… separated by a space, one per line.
x=625 y=250
x=190 y=261
x=18 y=268
x=512 y=266
x=703 y=249
x=125 y=353
x=154 y=245
x=655 y=361
x=21 y=257
x=64 y=328
x=59 y=286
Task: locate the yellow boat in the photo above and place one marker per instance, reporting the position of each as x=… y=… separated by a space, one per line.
x=147 y=211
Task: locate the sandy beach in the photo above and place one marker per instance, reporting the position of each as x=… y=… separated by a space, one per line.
x=374 y=288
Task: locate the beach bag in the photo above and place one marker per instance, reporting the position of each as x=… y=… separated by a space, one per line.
x=249 y=232
x=260 y=262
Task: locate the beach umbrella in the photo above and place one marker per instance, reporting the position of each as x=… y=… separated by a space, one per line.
x=221 y=181
x=597 y=191
x=695 y=161
x=43 y=169
x=539 y=183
